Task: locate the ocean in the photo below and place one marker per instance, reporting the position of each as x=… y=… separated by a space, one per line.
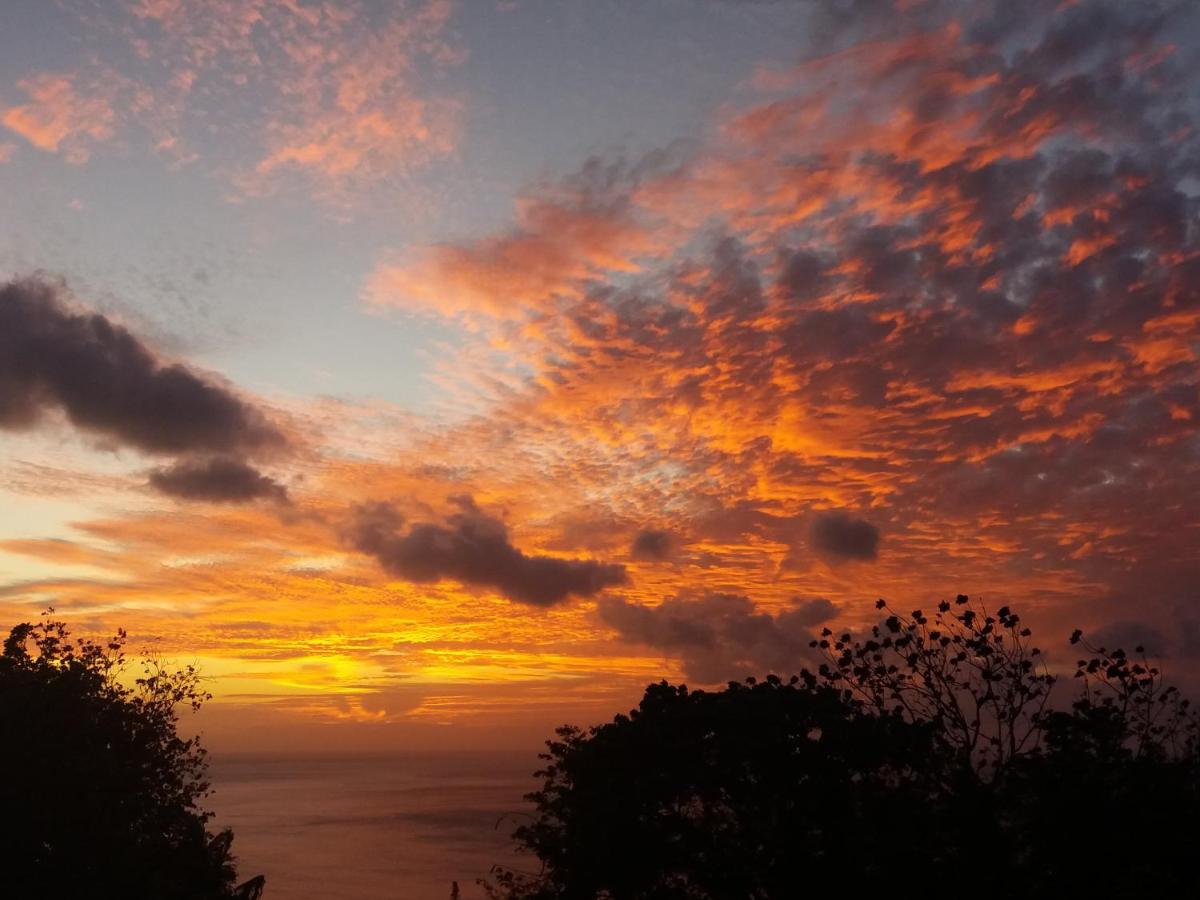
x=372 y=827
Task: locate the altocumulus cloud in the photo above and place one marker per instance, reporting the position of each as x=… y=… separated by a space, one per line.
x=107 y=382
x=473 y=548
x=719 y=636
x=953 y=278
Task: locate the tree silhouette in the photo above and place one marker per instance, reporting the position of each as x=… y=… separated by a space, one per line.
x=926 y=758
x=99 y=795
x=974 y=677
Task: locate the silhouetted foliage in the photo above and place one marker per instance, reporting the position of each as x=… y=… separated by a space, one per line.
x=100 y=795
x=925 y=759
x=974 y=677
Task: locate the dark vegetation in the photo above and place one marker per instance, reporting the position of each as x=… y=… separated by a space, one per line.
x=924 y=760
x=100 y=795
x=932 y=757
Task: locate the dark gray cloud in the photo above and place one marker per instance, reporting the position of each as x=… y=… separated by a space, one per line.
x=838 y=535
x=1167 y=622
x=474 y=548
x=835 y=334
x=108 y=382
x=652 y=545
x=1128 y=635
x=814 y=611
x=717 y=636
x=217 y=481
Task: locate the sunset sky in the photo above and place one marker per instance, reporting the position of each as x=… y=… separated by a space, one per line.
x=437 y=372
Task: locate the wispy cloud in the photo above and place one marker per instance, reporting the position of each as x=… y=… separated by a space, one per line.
x=59 y=117
x=345 y=97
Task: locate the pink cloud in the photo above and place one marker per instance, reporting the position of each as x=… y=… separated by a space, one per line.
x=347 y=100
x=552 y=252
x=343 y=96
x=61 y=119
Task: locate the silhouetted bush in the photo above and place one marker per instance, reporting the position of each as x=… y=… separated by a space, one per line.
x=925 y=759
x=99 y=794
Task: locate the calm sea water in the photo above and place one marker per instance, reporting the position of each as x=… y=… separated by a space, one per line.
x=371 y=828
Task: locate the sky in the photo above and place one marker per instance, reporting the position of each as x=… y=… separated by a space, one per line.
x=433 y=373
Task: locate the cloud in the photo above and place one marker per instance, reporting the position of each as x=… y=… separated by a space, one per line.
x=342 y=96
x=946 y=280
x=218 y=481
x=652 y=545
x=814 y=611
x=838 y=535
x=474 y=549
x=59 y=118
x=945 y=274
x=563 y=238
x=1161 y=618
x=716 y=636
x=107 y=382
x=1128 y=635
x=384 y=119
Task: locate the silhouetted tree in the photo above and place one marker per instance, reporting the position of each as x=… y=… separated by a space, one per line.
x=924 y=759
x=974 y=677
x=708 y=794
x=99 y=796
x=1111 y=802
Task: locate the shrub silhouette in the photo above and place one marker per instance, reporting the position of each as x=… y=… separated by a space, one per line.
x=100 y=796
x=925 y=759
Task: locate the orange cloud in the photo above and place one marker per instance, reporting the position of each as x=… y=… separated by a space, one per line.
x=855 y=303
x=559 y=243
x=863 y=295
